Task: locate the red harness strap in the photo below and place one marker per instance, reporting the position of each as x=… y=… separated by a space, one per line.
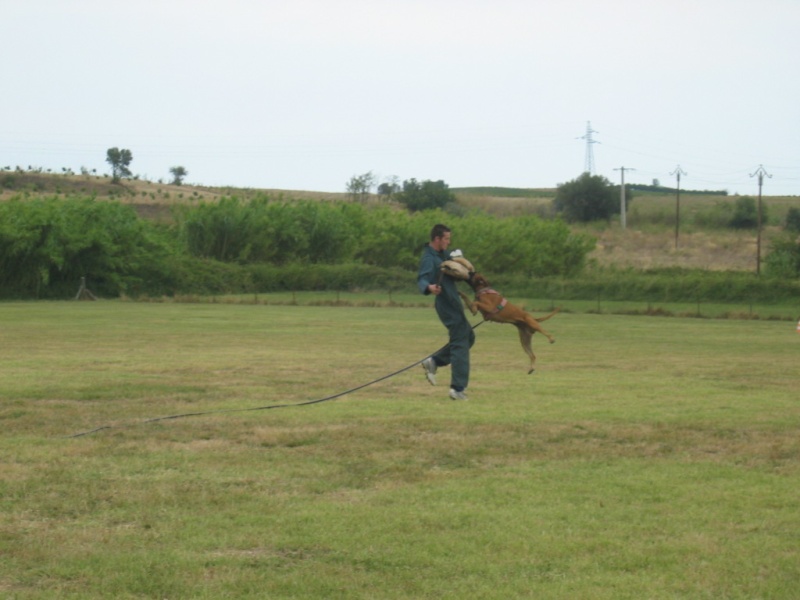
x=498 y=308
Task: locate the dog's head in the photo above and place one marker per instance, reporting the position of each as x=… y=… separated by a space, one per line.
x=478 y=282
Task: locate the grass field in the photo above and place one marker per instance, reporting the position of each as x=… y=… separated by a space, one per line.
x=785 y=310
x=648 y=457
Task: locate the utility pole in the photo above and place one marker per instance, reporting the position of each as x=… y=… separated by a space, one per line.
x=761 y=171
x=622 y=207
x=678 y=171
x=588 y=165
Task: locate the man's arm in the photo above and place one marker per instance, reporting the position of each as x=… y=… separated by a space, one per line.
x=426 y=278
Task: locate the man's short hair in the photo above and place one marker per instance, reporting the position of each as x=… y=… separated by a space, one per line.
x=438 y=231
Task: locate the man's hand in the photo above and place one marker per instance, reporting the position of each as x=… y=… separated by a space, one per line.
x=435 y=289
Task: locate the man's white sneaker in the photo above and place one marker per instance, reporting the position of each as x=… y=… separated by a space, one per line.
x=430 y=369
x=454 y=395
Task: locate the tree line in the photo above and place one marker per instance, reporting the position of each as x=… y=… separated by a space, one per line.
x=263 y=244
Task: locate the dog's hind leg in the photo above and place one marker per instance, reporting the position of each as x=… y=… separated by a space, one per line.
x=534 y=325
x=525 y=335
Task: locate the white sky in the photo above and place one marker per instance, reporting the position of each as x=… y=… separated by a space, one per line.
x=304 y=94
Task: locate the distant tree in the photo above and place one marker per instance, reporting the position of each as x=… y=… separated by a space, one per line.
x=178 y=175
x=587 y=198
x=425 y=195
x=119 y=160
x=389 y=187
x=793 y=219
x=360 y=186
x=745 y=213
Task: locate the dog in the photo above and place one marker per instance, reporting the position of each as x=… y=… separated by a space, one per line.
x=495 y=308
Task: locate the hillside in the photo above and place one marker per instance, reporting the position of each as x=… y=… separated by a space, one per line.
x=648 y=241
x=151 y=199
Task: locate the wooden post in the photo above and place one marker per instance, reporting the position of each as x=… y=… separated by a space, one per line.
x=84 y=293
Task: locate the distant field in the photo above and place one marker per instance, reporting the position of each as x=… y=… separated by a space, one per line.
x=649 y=240
x=506 y=192
x=646 y=458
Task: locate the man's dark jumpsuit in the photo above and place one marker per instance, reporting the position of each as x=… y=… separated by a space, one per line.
x=451 y=313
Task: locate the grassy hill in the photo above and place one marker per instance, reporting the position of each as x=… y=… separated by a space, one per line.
x=151 y=199
x=132 y=191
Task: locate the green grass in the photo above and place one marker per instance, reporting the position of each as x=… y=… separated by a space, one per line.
x=374 y=299
x=648 y=457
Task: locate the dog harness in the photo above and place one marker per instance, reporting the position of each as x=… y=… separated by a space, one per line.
x=498 y=308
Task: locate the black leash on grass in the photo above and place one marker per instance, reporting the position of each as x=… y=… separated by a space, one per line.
x=269 y=407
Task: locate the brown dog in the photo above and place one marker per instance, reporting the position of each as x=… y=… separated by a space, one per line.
x=495 y=308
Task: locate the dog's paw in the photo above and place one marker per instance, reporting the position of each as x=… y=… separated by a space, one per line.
x=531 y=371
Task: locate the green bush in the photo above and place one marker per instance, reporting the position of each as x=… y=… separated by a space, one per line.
x=526 y=245
x=793 y=219
x=47 y=245
x=587 y=198
x=264 y=230
x=783 y=261
x=425 y=195
x=745 y=213
x=391 y=238
x=282 y=233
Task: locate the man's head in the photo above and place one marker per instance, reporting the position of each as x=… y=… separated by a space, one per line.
x=440 y=237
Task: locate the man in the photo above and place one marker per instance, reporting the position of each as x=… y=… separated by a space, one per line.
x=448 y=307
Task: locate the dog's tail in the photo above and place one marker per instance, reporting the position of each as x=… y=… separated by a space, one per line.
x=552 y=314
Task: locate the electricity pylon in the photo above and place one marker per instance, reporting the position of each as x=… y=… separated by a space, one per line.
x=588 y=165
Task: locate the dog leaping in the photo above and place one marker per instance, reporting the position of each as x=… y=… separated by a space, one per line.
x=495 y=308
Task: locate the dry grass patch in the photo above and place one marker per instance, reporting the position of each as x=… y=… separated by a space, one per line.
x=724 y=250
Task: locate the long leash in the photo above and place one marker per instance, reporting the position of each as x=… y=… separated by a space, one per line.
x=269 y=407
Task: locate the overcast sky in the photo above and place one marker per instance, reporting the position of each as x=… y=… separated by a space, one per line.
x=304 y=94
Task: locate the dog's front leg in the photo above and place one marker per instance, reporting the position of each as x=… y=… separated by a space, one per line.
x=469 y=304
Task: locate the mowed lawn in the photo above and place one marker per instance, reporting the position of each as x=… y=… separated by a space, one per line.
x=647 y=457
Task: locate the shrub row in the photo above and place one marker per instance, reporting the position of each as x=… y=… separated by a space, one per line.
x=670 y=285
x=203 y=276
x=47 y=245
x=667 y=285
x=265 y=231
